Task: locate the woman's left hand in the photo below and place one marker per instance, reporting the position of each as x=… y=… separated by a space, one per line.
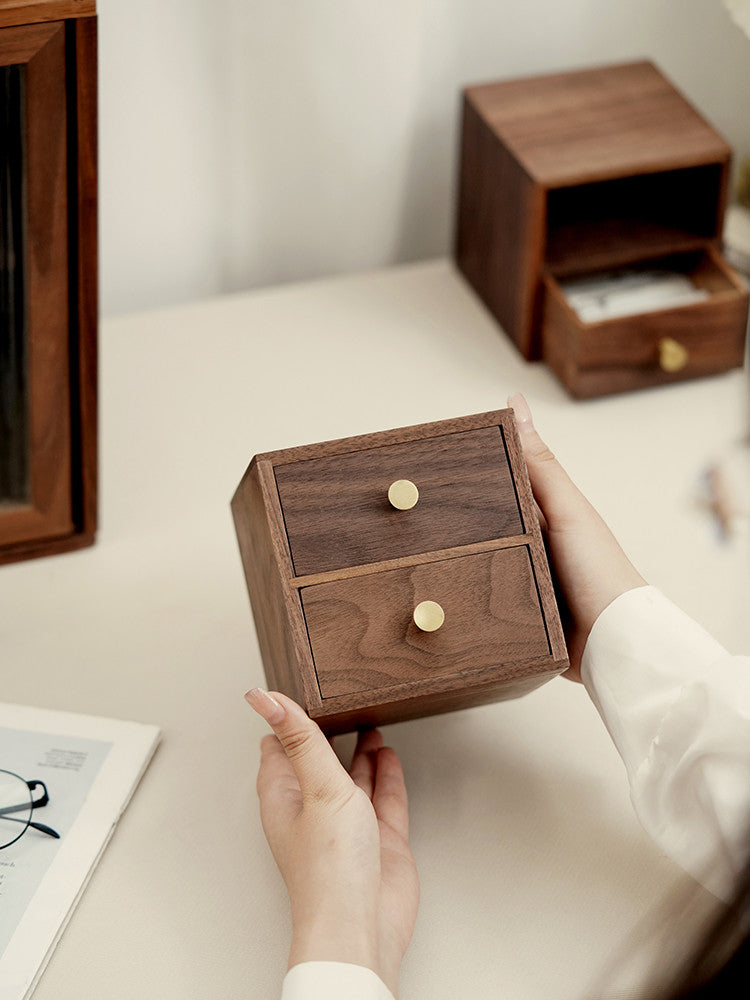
x=341 y=841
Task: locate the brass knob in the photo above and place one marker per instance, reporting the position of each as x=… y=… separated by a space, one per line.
x=403 y=494
x=428 y=616
x=672 y=356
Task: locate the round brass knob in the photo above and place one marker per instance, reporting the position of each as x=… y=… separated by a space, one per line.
x=672 y=356
x=403 y=494
x=428 y=616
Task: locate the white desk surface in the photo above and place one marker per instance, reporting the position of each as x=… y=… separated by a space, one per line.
x=534 y=869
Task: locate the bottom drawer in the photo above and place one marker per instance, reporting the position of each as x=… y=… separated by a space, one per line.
x=363 y=636
x=650 y=348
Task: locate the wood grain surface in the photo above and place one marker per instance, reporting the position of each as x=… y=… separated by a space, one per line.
x=578 y=171
x=620 y=354
x=277 y=612
x=337 y=512
x=363 y=636
x=586 y=125
x=448 y=693
x=502 y=634
x=395 y=435
x=402 y=562
x=14 y=12
x=500 y=227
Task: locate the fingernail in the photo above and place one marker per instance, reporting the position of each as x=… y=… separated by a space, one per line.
x=266 y=706
x=521 y=411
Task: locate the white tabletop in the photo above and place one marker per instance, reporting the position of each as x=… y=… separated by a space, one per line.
x=534 y=869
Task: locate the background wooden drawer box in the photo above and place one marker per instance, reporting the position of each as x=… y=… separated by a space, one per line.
x=572 y=174
x=653 y=348
x=335 y=572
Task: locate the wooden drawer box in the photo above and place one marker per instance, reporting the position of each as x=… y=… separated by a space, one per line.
x=572 y=174
x=339 y=574
x=653 y=348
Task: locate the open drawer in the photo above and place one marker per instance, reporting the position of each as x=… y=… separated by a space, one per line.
x=671 y=343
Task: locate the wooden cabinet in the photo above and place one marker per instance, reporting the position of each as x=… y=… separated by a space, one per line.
x=399 y=574
x=48 y=277
x=575 y=174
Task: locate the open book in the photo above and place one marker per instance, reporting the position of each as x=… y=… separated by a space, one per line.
x=90 y=767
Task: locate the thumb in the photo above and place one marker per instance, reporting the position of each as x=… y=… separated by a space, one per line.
x=316 y=766
x=558 y=497
x=589 y=563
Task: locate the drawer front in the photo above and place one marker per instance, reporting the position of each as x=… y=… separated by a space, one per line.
x=646 y=349
x=364 y=638
x=337 y=512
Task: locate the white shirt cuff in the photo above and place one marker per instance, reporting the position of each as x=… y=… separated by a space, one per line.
x=333 y=981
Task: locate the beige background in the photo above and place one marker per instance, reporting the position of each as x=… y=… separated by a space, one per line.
x=250 y=142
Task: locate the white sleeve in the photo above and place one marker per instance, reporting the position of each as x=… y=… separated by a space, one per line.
x=333 y=981
x=677 y=706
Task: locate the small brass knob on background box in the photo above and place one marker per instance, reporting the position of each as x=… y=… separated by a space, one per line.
x=403 y=494
x=672 y=356
x=428 y=616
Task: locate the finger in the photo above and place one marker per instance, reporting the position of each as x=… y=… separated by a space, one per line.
x=389 y=799
x=590 y=564
x=277 y=787
x=318 y=770
x=556 y=494
x=362 y=770
x=275 y=769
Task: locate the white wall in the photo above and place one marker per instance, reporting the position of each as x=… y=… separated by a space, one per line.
x=250 y=143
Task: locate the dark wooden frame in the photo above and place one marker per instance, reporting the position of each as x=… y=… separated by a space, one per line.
x=59 y=52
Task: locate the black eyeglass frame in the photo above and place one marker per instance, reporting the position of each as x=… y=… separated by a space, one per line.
x=39 y=803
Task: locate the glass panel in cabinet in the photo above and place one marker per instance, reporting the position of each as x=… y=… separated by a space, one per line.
x=14 y=403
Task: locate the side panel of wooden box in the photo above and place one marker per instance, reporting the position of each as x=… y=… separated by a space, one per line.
x=277 y=612
x=530 y=516
x=500 y=230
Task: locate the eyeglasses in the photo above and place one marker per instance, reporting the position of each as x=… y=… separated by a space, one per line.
x=18 y=800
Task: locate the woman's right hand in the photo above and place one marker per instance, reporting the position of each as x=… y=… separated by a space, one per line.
x=587 y=561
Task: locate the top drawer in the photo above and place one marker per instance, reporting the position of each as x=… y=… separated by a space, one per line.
x=337 y=512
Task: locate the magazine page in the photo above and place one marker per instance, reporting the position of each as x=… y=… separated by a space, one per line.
x=89 y=768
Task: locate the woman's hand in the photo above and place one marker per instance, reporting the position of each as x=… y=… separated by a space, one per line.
x=587 y=561
x=340 y=841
